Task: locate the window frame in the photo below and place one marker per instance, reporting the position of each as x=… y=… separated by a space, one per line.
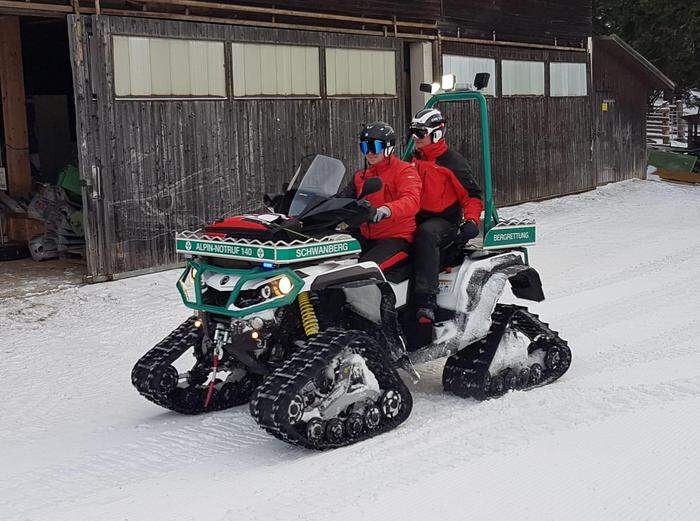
x=324 y=81
x=161 y=97
x=586 y=85
x=523 y=94
x=495 y=73
x=321 y=71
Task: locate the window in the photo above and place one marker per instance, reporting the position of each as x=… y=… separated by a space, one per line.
x=360 y=71
x=466 y=67
x=568 y=79
x=522 y=78
x=275 y=70
x=165 y=67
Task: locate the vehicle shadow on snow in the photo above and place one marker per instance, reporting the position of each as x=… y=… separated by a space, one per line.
x=238 y=441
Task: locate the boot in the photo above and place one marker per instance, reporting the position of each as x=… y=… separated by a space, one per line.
x=425 y=305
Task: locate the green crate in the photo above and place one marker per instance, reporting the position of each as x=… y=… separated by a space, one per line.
x=672 y=161
x=69 y=179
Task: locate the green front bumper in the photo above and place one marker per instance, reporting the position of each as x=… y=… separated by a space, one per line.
x=191 y=288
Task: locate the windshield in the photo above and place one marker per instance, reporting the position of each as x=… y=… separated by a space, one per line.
x=317 y=178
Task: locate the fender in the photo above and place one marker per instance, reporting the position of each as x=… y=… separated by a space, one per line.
x=477 y=289
x=527 y=285
x=372 y=298
x=505 y=266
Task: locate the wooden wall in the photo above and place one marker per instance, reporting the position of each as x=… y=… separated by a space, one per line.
x=540 y=21
x=419 y=10
x=619 y=144
x=537 y=21
x=171 y=165
x=540 y=145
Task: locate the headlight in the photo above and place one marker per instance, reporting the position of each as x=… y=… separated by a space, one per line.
x=193 y=274
x=278 y=287
x=284 y=284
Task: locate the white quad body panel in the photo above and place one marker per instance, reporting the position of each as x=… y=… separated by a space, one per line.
x=480 y=278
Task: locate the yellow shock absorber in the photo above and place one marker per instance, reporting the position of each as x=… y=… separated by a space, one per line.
x=308 y=315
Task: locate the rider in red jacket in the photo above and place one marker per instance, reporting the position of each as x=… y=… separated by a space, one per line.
x=450 y=206
x=386 y=239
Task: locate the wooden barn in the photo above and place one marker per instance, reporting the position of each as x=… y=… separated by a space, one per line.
x=187 y=110
x=622 y=81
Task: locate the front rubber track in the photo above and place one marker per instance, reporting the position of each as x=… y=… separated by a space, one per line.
x=155 y=378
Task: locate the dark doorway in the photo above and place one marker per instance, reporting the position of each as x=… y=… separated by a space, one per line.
x=41 y=210
x=49 y=90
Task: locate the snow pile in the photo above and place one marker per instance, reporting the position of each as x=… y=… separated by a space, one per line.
x=615 y=438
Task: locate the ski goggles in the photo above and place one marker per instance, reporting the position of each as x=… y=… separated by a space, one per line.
x=420 y=132
x=375 y=146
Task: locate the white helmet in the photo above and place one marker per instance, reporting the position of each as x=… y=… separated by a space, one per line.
x=428 y=121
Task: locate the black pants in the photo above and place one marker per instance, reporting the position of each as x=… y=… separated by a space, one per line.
x=430 y=236
x=387 y=253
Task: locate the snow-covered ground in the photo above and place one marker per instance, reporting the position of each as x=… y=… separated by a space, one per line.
x=617 y=438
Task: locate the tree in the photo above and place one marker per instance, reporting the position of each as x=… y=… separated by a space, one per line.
x=666 y=32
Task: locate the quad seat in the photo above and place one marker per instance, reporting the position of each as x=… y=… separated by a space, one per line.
x=450 y=255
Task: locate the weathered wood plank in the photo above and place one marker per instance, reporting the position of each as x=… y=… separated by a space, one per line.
x=14 y=111
x=535 y=21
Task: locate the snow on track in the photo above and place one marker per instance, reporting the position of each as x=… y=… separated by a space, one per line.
x=615 y=438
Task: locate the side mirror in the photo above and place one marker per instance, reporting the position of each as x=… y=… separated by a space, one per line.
x=481 y=80
x=371 y=186
x=426 y=87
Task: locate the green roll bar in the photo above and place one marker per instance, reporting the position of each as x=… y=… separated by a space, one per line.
x=490 y=213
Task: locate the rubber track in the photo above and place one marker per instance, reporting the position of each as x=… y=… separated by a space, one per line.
x=147 y=374
x=465 y=371
x=270 y=402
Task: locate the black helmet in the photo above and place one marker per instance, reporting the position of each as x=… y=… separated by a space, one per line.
x=376 y=137
x=428 y=121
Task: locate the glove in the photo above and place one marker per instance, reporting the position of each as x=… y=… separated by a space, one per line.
x=468 y=231
x=382 y=213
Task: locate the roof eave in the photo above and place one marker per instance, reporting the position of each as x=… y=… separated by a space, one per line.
x=661 y=81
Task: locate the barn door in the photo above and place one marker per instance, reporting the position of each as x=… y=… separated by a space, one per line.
x=83 y=47
x=606 y=138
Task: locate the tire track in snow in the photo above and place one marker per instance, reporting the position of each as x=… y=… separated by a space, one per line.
x=224 y=437
x=529 y=415
x=197 y=445
x=629 y=272
x=611 y=305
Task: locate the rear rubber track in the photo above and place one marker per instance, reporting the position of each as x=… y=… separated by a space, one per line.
x=466 y=373
x=270 y=402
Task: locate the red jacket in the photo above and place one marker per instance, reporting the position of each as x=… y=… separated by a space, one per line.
x=400 y=193
x=448 y=184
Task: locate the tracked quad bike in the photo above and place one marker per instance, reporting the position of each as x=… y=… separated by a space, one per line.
x=290 y=321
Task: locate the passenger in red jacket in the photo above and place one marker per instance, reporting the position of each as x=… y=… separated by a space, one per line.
x=387 y=238
x=450 y=205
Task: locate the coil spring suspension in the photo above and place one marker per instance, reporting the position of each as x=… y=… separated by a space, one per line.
x=308 y=315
